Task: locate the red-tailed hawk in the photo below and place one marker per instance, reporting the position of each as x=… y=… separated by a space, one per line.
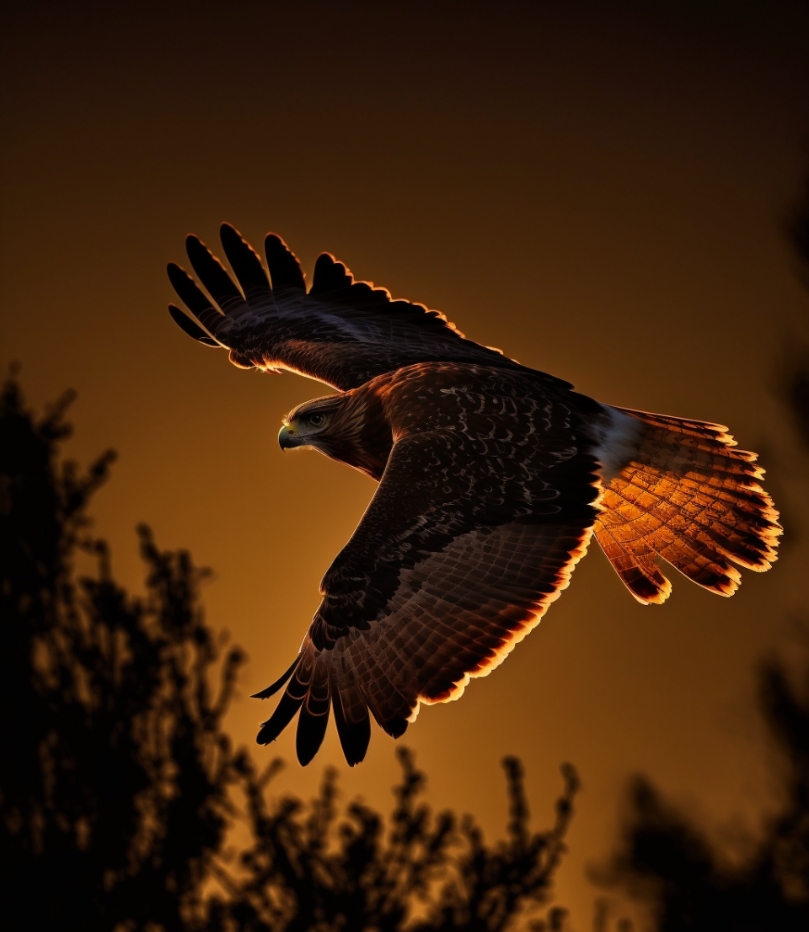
x=492 y=479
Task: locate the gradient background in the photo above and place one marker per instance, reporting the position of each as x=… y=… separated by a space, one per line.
x=600 y=190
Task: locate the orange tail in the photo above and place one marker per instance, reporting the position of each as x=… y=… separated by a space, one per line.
x=689 y=497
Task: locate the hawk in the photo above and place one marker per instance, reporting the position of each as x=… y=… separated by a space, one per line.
x=492 y=479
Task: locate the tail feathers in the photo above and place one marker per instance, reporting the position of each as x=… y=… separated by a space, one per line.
x=316 y=682
x=688 y=496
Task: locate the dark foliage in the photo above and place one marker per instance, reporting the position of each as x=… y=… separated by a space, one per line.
x=118 y=785
x=667 y=862
x=115 y=768
x=308 y=867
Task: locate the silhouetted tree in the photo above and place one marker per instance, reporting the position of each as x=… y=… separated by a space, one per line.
x=118 y=785
x=308 y=868
x=115 y=768
x=667 y=862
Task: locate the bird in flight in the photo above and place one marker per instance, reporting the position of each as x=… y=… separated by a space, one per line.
x=492 y=479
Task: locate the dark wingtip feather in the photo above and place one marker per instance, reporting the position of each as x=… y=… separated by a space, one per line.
x=395 y=727
x=196 y=247
x=212 y=274
x=195 y=250
x=273 y=688
x=284 y=713
x=231 y=238
x=245 y=262
x=179 y=279
x=310 y=734
x=188 y=326
x=285 y=270
x=354 y=736
x=193 y=297
x=330 y=275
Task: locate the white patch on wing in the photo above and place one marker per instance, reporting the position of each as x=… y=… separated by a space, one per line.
x=617 y=441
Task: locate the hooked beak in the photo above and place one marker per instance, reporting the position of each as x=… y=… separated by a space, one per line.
x=287 y=438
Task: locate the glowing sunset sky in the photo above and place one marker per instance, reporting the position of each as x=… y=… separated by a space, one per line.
x=599 y=192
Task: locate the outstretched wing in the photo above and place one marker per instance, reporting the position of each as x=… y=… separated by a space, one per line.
x=340 y=332
x=465 y=544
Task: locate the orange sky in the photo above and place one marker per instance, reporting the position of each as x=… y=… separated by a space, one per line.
x=599 y=192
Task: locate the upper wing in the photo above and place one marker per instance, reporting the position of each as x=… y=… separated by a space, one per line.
x=341 y=332
x=465 y=544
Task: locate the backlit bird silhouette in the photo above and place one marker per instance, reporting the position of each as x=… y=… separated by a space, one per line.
x=492 y=479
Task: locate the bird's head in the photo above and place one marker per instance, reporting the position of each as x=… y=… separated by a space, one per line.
x=350 y=427
x=310 y=424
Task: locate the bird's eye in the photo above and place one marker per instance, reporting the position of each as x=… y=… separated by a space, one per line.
x=316 y=420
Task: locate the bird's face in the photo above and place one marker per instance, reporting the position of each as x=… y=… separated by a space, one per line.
x=338 y=427
x=308 y=424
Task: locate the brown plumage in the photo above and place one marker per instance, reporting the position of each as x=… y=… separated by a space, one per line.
x=492 y=478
